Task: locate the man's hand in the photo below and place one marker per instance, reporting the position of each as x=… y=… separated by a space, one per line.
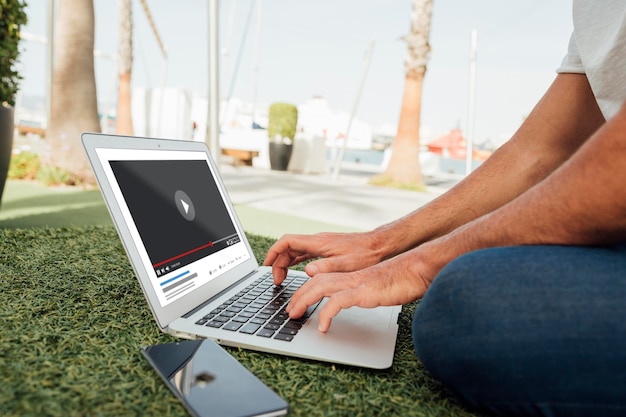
x=339 y=252
x=393 y=282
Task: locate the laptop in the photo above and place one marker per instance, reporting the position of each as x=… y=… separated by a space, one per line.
x=196 y=267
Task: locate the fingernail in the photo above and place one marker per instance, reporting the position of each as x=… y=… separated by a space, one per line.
x=312 y=269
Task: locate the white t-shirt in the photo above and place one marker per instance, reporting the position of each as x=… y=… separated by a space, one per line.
x=597 y=48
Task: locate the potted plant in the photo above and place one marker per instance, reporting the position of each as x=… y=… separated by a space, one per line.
x=281 y=130
x=12 y=17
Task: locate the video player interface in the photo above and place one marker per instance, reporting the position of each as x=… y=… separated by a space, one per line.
x=181 y=218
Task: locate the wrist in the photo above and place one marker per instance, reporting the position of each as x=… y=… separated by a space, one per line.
x=385 y=242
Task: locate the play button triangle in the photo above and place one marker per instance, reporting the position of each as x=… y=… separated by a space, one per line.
x=185 y=206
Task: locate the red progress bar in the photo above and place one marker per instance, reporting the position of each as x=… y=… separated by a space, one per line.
x=182 y=254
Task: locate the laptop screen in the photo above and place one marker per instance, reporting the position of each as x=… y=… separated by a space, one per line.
x=175 y=209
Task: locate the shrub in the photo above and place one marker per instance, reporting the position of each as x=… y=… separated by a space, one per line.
x=50 y=175
x=283 y=120
x=24 y=166
x=27 y=165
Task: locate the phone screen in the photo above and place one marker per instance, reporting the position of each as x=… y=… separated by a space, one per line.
x=210 y=382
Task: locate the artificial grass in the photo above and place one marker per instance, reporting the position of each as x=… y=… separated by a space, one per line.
x=74 y=318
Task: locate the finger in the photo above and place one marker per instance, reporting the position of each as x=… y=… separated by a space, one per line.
x=290 y=244
x=279 y=274
x=334 y=264
x=326 y=315
x=336 y=303
x=279 y=247
x=301 y=258
x=280 y=267
x=317 y=288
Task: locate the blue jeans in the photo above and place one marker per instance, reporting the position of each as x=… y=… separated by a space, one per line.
x=529 y=331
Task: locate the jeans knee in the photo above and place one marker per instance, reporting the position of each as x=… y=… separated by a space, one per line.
x=435 y=321
x=460 y=303
x=503 y=329
x=455 y=322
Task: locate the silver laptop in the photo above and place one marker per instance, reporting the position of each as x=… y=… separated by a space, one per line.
x=195 y=265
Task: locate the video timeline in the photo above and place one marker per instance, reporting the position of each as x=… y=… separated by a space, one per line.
x=190 y=256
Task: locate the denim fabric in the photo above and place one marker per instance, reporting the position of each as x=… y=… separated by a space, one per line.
x=529 y=331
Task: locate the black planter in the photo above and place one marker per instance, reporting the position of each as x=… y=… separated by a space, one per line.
x=6 y=143
x=280 y=154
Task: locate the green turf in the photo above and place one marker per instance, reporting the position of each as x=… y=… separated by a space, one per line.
x=73 y=321
x=31 y=204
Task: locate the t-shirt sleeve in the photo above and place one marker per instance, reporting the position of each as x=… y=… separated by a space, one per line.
x=571 y=63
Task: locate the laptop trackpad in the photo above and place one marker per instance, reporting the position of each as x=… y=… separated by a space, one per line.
x=357 y=336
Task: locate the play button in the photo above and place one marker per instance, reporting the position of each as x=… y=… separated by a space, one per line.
x=184 y=205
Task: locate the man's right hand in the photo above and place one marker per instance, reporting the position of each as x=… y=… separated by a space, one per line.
x=338 y=252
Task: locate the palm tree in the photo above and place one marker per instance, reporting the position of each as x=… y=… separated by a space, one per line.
x=404 y=168
x=74 y=105
x=124 y=125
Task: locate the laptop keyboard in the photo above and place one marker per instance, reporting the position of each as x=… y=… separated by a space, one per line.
x=259 y=309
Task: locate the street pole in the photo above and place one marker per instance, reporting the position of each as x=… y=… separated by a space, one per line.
x=471 y=104
x=257 y=45
x=49 y=61
x=357 y=99
x=213 y=128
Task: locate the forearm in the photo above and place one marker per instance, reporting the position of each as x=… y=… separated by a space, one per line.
x=581 y=203
x=565 y=117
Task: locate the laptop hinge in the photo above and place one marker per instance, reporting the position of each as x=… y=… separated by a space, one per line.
x=218 y=295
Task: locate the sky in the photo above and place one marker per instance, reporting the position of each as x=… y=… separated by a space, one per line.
x=299 y=49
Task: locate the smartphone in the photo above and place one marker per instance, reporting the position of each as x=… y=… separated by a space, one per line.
x=210 y=382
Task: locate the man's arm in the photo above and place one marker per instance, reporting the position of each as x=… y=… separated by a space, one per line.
x=564 y=118
x=582 y=203
x=559 y=124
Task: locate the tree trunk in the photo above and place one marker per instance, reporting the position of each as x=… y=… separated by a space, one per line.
x=403 y=169
x=124 y=123
x=74 y=105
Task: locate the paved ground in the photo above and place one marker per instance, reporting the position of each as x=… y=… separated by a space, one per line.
x=301 y=203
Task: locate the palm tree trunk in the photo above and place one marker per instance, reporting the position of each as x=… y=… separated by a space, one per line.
x=74 y=104
x=403 y=169
x=124 y=124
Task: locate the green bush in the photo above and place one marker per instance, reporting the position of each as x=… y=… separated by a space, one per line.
x=24 y=166
x=283 y=119
x=12 y=17
x=28 y=166
x=50 y=175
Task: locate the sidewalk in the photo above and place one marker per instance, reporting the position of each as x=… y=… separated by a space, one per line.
x=273 y=203
x=269 y=203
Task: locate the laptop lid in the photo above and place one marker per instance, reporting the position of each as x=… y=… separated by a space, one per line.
x=174 y=218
